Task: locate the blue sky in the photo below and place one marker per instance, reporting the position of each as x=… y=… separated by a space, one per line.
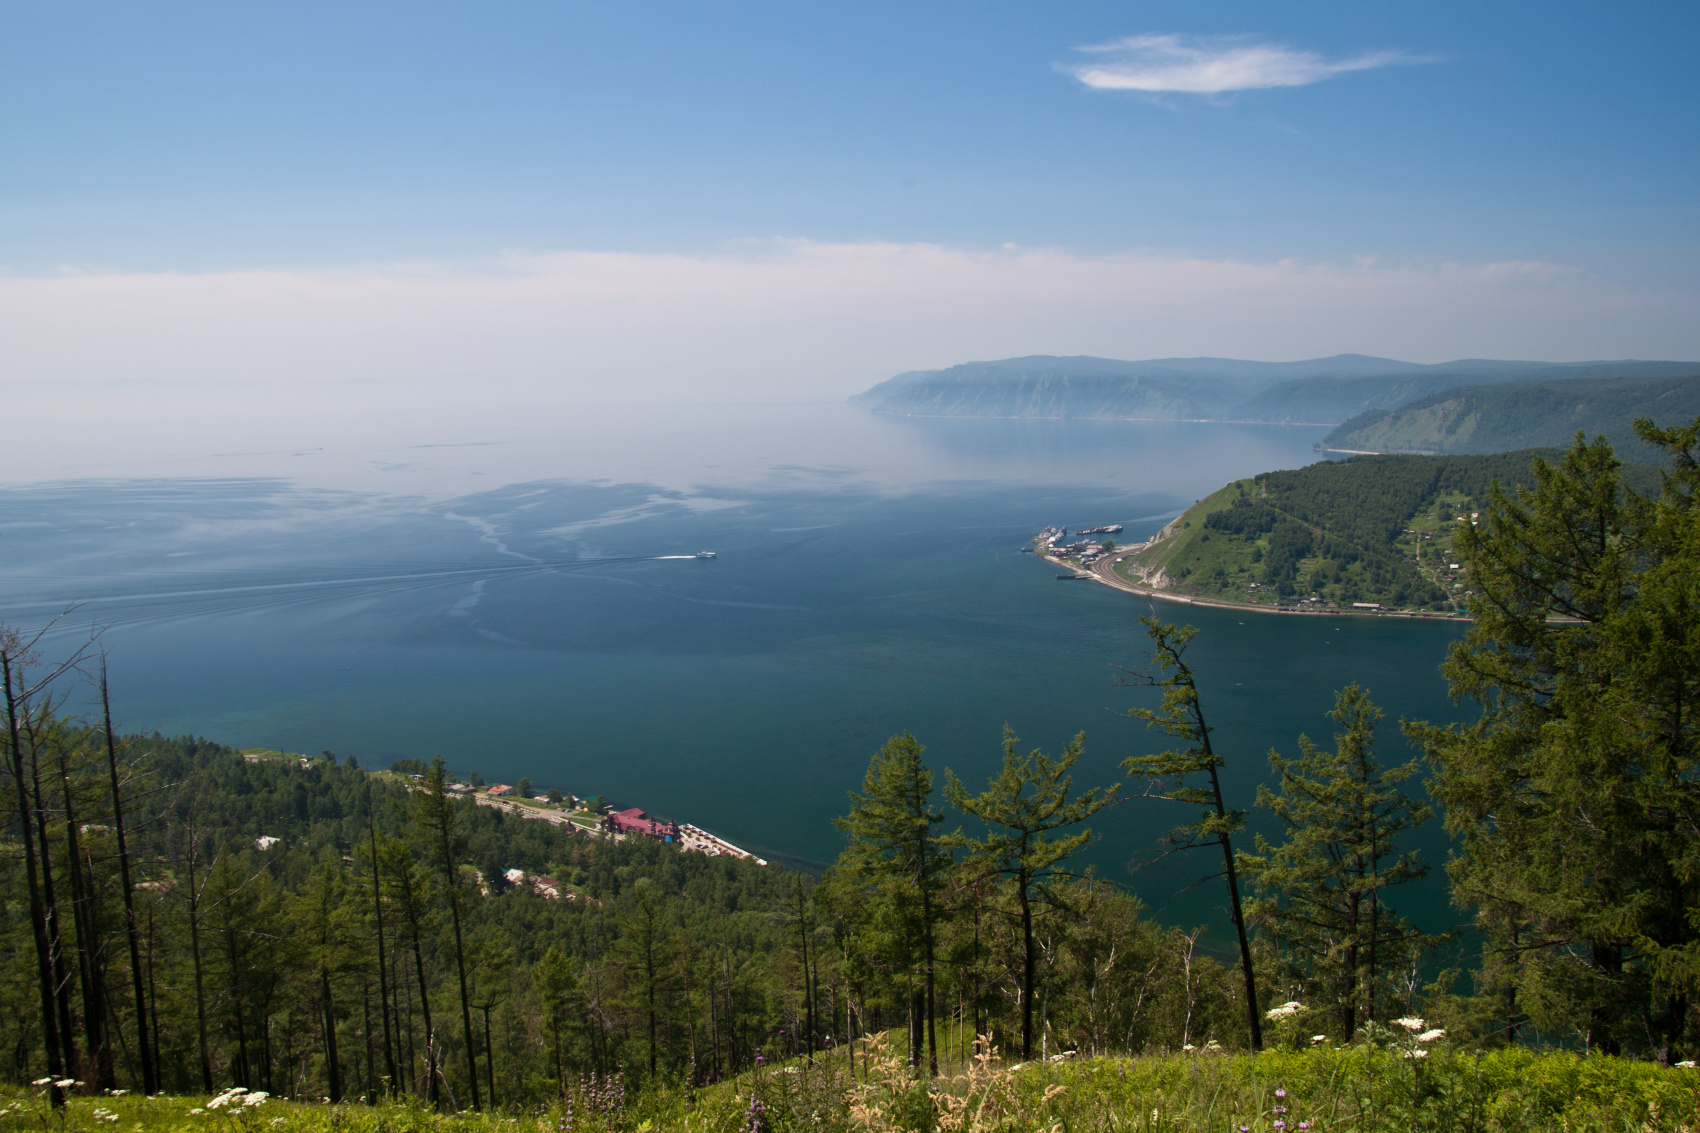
x=217 y=135
x=1511 y=179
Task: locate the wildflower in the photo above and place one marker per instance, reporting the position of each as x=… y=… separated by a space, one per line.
x=1304 y=1125
x=258 y=1097
x=1688 y=1062
x=1411 y=1023
x=1279 y=1124
x=1318 y=1038
x=1416 y=1054
x=42 y=1082
x=118 y=1093
x=1280 y=1093
x=1286 y=1010
x=193 y=1112
x=1189 y=1046
x=1430 y=1036
x=755 y=1118
x=67 y=1083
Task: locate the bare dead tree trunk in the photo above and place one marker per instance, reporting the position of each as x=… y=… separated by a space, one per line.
x=9 y=658
x=150 y=1074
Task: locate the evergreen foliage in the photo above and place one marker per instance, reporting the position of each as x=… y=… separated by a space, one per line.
x=187 y=918
x=1320 y=890
x=1023 y=808
x=1576 y=794
x=1520 y=415
x=1172 y=775
x=1370 y=529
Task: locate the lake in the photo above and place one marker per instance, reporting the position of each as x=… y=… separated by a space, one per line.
x=531 y=607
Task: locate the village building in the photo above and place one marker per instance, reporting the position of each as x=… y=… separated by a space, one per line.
x=635 y=821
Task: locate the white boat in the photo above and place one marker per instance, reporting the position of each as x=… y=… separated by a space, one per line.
x=705 y=554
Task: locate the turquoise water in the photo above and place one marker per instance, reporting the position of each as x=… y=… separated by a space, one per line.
x=540 y=630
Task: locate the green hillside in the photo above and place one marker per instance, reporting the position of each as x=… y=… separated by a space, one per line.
x=1316 y=391
x=1369 y=529
x=1498 y=418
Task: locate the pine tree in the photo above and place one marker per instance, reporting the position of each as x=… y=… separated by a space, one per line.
x=1023 y=808
x=1320 y=890
x=1170 y=774
x=557 y=987
x=645 y=947
x=895 y=850
x=1574 y=794
x=436 y=815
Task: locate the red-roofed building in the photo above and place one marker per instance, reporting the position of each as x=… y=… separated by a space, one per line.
x=635 y=821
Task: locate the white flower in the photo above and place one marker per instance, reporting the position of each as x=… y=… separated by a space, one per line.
x=193 y=1112
x=1430 y=1036
x=1688 y=1062
x=1416 y=1054
x=277 y=1121
x=67 y=1083
x=258 y=1097
x=1318 y=1038
x=1189 y=1046
x=1411 y=1023
x=42 y=1082
x=1289 y=1008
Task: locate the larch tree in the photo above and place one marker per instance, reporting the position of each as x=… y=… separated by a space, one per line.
x=1173 y=775
x=557 y=984
x=895 y=848
x=1576 y=793
x=1319 y=891
x=1024 y=808
x=436 y=817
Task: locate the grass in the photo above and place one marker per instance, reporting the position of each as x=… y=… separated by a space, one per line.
x=1366 y=1088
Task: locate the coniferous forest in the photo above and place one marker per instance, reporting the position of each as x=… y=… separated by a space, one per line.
x=183 y=919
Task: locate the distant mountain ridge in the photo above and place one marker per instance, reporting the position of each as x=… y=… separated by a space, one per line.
x=1479 y=419
x=1324 y=391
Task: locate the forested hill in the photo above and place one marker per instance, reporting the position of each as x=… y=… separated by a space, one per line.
x=1497 y=418
x=1376 y=529
x=1316 y=391
x=278 y=953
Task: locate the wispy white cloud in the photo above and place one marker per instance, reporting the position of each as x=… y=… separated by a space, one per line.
x=1175 y=64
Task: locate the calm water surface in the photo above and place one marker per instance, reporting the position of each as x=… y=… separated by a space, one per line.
x=869 y=578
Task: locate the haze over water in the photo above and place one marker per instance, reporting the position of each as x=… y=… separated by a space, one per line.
x=521 y=608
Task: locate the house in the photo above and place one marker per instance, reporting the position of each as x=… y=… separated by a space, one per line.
x=635 y=821
x=497 y=790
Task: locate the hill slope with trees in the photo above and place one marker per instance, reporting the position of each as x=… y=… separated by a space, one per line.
x=185 y=918
x=1318 y=391
x=1497 y=418
x=1370 y=529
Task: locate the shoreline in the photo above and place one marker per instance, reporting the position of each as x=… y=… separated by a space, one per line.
x=1104 y=573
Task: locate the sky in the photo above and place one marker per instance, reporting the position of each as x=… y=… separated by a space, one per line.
x=677 y=201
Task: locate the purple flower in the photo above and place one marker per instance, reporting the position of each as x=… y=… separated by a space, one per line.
x=1281 y=1093
x=1279 y=1124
